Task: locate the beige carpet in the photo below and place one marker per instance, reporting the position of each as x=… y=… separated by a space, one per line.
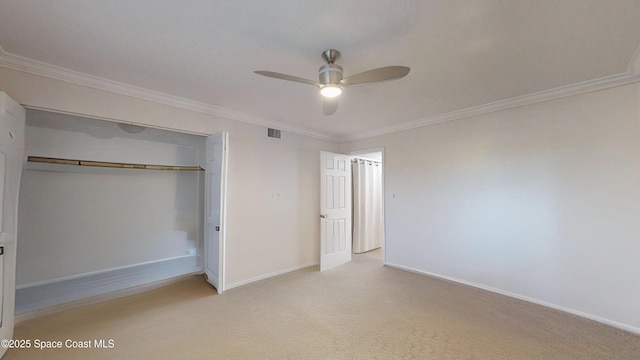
x=359 y=311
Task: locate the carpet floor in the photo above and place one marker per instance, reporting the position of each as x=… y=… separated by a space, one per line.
x=358 y=311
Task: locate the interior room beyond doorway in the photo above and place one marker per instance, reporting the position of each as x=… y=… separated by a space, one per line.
x=368 y=203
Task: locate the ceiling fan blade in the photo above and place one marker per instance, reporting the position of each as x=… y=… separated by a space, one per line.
x=280 y=76
x=330 y=105
x=376 y=75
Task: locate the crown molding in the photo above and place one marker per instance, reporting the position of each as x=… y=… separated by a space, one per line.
x=634 y=63
x=542 y=96
x=20 y=63
x=35 y=67
x=631 y=76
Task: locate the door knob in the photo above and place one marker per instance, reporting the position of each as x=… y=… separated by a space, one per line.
x=323 y=216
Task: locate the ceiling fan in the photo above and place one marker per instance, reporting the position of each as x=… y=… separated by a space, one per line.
x=331 y=82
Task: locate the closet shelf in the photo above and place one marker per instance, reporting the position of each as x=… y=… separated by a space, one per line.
x=104 y=164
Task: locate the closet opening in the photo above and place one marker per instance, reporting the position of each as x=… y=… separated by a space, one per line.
x=107 y=206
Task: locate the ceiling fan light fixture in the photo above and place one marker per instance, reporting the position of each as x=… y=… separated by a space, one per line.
x=330 y=79
x=331 y=90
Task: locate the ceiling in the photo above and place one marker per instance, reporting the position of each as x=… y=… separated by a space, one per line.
x=462 y=54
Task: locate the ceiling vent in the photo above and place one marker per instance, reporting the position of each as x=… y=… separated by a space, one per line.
x=274 y=134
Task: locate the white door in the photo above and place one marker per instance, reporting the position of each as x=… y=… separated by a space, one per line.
x=12 y=118
x=335 y=210
x=215 y=209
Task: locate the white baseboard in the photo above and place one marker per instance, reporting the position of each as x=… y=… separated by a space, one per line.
x=266 y=276
x=599 y=319
x=36 y=296
x=100 y=298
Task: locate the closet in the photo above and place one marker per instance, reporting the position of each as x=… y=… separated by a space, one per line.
x=106 y=206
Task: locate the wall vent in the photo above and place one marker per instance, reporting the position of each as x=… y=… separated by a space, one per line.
x=274 y=134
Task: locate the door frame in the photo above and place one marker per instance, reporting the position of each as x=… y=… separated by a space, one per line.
x=383 y=242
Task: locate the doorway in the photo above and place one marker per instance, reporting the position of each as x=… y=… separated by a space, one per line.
x=368 y=203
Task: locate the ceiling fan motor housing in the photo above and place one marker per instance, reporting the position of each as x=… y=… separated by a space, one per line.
x=330 y=74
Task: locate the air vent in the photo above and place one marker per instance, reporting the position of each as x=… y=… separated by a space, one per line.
x=274 y=134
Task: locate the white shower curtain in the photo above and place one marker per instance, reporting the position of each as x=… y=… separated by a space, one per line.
x=367 y=205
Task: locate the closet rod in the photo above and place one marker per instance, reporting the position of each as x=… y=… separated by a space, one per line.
x=111 y=164
x=355 y=158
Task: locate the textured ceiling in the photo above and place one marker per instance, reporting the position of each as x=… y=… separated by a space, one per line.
x=461 y=53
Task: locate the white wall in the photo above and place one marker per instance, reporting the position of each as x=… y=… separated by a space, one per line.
x=78 y=220
x=265 y=233
x=541 y=202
